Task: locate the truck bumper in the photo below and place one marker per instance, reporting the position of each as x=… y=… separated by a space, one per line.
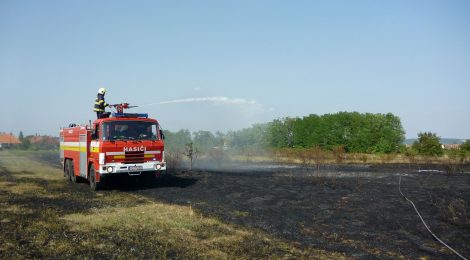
x=132 y=169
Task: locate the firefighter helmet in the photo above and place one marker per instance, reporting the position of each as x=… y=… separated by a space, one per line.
x=102 y=91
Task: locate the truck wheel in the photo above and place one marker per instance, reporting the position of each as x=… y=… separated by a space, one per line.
x=67 y=169
x=73 y=178
x=93 y=184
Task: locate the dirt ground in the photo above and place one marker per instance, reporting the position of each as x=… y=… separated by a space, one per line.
x=355 y=210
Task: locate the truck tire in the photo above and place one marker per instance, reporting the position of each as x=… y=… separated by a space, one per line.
x=91 y=177
x=73 y=178
x=67 y=169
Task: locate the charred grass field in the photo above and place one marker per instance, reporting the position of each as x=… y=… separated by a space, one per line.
x=264 y=211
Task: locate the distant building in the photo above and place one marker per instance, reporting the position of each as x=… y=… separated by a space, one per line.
x=450 y=146
x=8 y=140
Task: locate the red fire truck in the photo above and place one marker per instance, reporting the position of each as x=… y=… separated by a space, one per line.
x=121 y=143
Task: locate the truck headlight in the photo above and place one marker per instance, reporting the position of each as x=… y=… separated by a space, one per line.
x=158 y=166
x=109 y=169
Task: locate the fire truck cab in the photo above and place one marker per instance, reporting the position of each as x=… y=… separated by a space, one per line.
x=122 y=143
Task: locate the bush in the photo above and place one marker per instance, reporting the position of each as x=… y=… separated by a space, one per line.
x=428 y=144
x=464 y=151
x=465 y=146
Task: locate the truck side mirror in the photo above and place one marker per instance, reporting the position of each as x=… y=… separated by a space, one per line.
x=162 y=135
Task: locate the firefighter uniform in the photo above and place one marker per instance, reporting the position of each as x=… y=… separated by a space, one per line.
x=100 y=104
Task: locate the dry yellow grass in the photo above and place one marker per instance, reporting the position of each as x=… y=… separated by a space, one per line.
x=292 y=156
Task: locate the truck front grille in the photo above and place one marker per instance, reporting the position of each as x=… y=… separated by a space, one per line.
x=134 y=157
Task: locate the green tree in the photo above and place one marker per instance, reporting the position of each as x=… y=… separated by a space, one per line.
x=355 y=132
x=280 y=133
x=464 y=151
x=253 y=137
x=176 y=141
x=465 y=146
x=25 y=142
x=388 y=135
x=220 y=139
x=204 y=140
x=308 y=131
x=428 y=144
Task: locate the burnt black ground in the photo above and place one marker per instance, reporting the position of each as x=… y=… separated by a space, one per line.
x=357 y=210
x=361 y=216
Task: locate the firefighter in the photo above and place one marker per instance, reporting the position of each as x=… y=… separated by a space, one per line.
x=100 y=104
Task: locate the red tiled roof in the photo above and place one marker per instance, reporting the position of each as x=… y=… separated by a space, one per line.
x=8 y=139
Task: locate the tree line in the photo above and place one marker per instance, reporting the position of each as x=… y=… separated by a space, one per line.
x=353 y=131
x=350 y=132
x=37 y=142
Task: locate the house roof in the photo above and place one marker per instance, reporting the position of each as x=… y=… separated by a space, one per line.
x=9 y=139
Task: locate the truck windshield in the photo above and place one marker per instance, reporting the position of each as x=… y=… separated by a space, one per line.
x=130 y=130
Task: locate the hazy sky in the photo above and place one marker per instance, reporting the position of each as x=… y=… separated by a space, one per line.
x=220 y=65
